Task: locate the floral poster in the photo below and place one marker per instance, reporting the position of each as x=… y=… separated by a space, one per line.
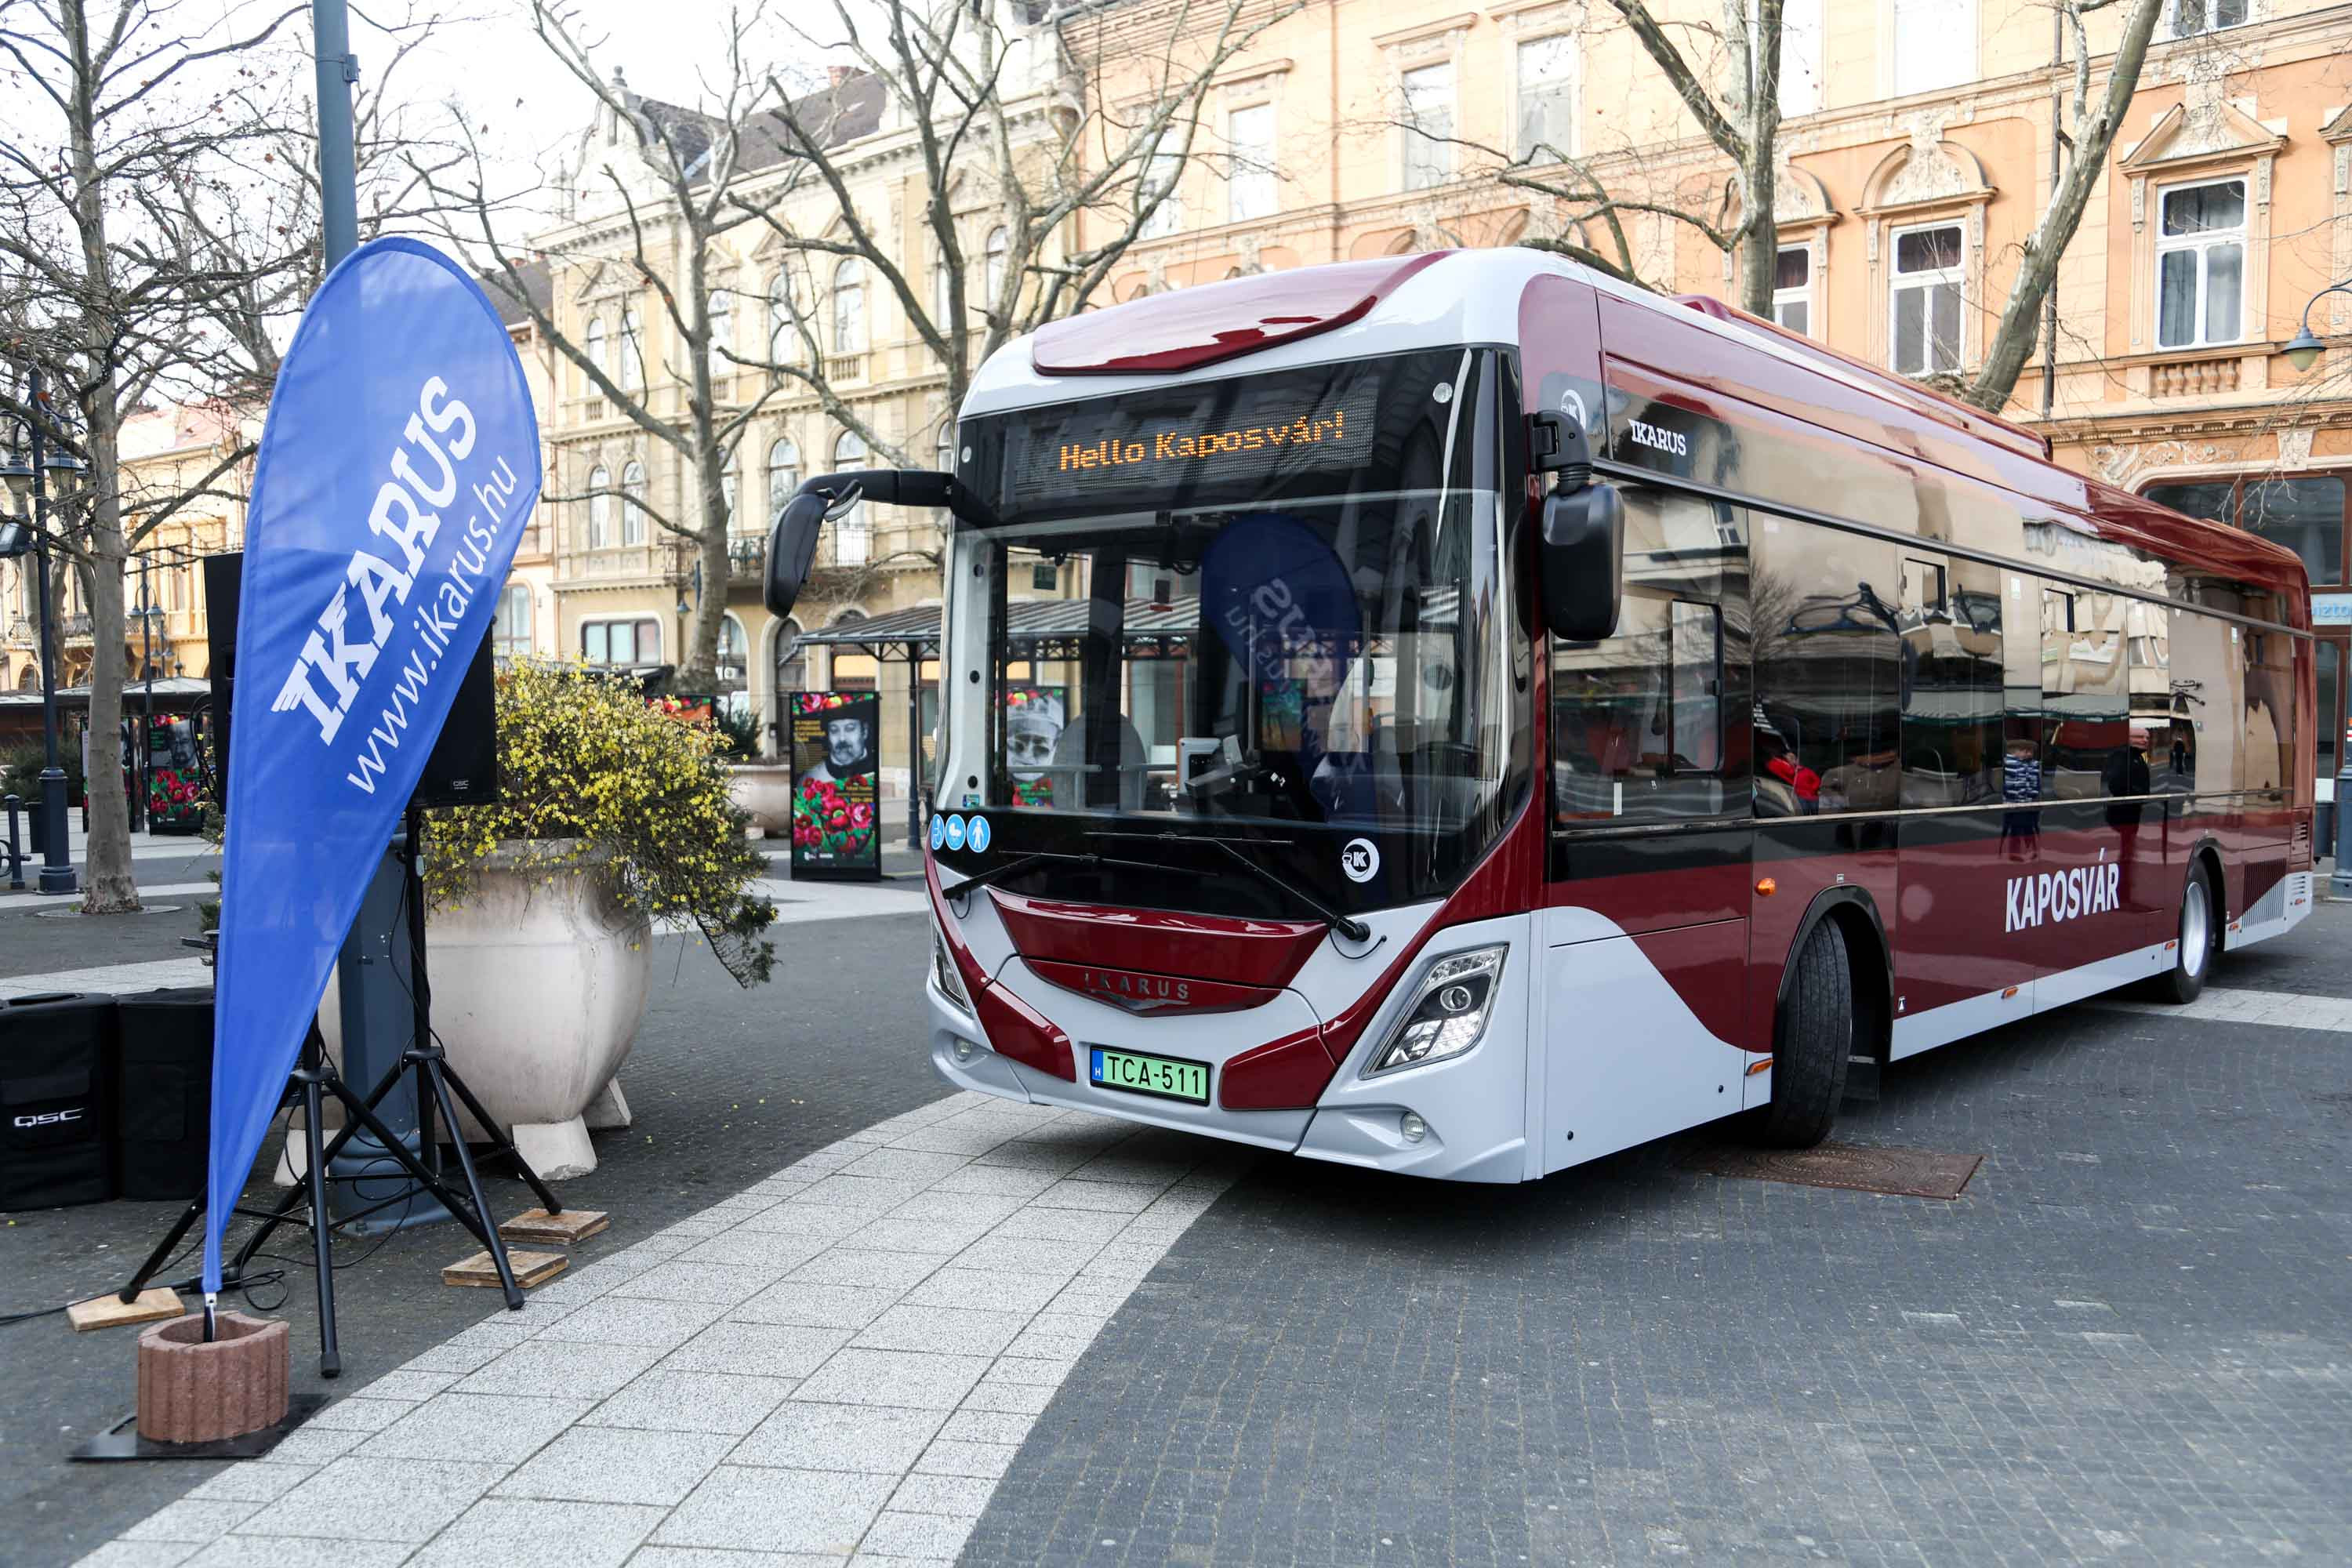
x=837 y=737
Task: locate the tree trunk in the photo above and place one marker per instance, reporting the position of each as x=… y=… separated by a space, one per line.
x=108 y=885
x=697 y=669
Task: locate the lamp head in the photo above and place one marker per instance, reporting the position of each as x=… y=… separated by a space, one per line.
x=2305 y=349
x=17 y=469
x=66 y=473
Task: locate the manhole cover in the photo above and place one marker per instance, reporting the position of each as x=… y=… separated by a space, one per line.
x=1902 y=1173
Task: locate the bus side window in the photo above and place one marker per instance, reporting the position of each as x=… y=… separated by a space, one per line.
x=1951 y=661
x=1829 y=670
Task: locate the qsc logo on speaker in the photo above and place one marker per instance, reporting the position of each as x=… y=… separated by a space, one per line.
x=49 y=1118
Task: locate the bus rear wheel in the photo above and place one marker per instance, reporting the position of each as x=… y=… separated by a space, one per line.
x=1816 y=1038
x=2192 y=953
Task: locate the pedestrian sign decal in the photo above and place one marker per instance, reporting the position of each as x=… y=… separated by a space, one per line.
x=978 y=835
x=955 y=832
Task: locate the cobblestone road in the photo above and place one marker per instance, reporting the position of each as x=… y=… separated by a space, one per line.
x=2129 y=1341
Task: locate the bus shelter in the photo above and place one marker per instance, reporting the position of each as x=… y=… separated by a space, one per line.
x=1038 y=632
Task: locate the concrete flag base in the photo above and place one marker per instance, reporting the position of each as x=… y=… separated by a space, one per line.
x=191 y=1391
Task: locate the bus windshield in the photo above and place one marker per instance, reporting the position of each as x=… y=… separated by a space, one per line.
x=1316 y=639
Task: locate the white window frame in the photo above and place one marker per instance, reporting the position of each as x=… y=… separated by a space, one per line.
x=2168 y=25
x=2203 y=244
x=1249 y=176
x=784 y=332
x=595 y=336
x=783 y=472
x=995 y=256
x=1425 y=129
x=632 y=508
x=853 y=530
x=1897 y=280
x=1162 y=176
x=512 y=641
x=634 y=622
x=1954 y=72
x=1803 y=295
x=849 y=307
x=600 y=508
x=720 y=318
x=1570 y=80
x=633 y=351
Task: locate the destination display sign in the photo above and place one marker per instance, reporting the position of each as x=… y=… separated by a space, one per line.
x=1352 y=427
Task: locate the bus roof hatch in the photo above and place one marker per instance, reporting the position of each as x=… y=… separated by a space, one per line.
x=1168 y=334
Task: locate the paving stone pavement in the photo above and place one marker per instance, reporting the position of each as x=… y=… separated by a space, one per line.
x=834 y=1365
x=2129 y=1341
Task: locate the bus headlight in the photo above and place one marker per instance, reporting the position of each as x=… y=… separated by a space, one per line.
x=1449 y=1014
x=944 y=971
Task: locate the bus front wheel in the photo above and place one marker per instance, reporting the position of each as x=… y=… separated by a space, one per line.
x=1809 y=1060
x=2192 y=953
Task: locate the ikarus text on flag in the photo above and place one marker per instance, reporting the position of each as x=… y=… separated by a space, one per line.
x=397 y=470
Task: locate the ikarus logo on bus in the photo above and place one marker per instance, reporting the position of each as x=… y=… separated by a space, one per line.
x=2050 y=896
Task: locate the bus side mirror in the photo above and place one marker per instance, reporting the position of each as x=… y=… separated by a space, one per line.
x=1582 y=561
x=791 y=546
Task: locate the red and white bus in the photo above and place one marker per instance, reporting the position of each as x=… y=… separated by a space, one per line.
x=1459 y=715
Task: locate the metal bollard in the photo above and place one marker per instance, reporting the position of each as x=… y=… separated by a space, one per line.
x=16 y=855
x=2339 y=886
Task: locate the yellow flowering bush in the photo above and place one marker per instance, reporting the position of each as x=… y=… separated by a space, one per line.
x=593 y=780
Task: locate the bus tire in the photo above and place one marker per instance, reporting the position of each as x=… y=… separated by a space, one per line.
x=1809 y=1059
x=2196 y=938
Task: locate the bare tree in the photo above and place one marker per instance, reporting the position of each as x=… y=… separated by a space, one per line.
x=1045 y=148
x=2090 y=132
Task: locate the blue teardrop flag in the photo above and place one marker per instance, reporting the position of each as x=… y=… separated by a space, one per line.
x=398 y=466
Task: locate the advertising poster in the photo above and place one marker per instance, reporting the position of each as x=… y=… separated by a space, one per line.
x=1034 y=719
x=836 y=738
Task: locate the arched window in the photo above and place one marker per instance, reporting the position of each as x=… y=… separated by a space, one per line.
x=792 y=665
x=733 y=669
x=731 y=487
x=849 y=307
x=596 y=352
x=632 y=504
x=992 y=268
x=940 y=301
x=853 y=538
x=782 y=337
x=600 y=507
x=633 y=351
x=722 y=331
x=783 y=473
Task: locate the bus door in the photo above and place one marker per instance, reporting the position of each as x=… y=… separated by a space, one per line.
x=1645 y=940
x=1958 y=843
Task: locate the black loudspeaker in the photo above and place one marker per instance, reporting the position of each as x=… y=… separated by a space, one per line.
x=163 y=1092
x=56 y=1104
x=223 y=574
x=464 y=767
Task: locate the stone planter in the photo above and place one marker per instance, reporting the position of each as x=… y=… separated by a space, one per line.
x=538 y=992
x=191 y=1391
x=765 y=791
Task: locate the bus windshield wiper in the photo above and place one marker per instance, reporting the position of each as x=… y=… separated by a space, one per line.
x=1030 y=862
x=1352 y=929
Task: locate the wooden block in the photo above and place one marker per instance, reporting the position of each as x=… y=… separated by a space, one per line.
x=555 y=1229
x=529 y=1269
x=106 y=1312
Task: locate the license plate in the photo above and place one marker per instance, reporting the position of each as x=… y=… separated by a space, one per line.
x=1151 y=1075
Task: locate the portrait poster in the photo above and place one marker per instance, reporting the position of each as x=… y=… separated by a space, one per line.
x=837 y=817
x=1034 y=717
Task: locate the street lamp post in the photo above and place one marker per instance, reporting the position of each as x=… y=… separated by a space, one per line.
x=31 y=479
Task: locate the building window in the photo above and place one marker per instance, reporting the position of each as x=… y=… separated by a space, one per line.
x=783 y=473
x=510 y=632
x=2201 y=264
x=1927 y=300
x=722 y=331
x=1155 y=191
x=853 y=537
x=596 y=352
x=2187 y=18
x=733 y=667
x=1427 y=110
x=1792 y=288
x=1801 y=56
x=992 y=264
x=730 y=484
x=2306 y=512
x=942 y=299
x=1934 y=44
x=782 y=318
x=600 y=507
x=621 y=642
x=791 y=660
x=1249 y=180
x=1546 y=88
x=849 y=307
x=632 y=504
x=633 y=351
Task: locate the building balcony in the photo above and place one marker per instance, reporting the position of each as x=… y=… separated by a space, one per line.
x=747 y=557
